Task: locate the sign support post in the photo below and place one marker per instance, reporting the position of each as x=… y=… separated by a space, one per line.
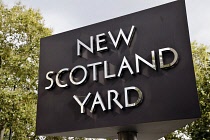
x=127 y=135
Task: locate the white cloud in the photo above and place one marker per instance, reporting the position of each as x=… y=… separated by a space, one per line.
x=64 y=15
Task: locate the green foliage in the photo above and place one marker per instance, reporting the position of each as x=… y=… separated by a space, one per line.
x=20 y=33
x=199 y=129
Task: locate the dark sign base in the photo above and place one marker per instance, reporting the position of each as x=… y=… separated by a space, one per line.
x=127 y=135
x=147 y=131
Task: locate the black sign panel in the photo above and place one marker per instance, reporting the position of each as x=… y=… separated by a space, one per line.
x=143 y=59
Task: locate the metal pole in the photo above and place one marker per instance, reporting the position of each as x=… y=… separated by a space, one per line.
x=127 y=135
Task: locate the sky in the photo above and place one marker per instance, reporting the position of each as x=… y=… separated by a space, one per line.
x=64 y=15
